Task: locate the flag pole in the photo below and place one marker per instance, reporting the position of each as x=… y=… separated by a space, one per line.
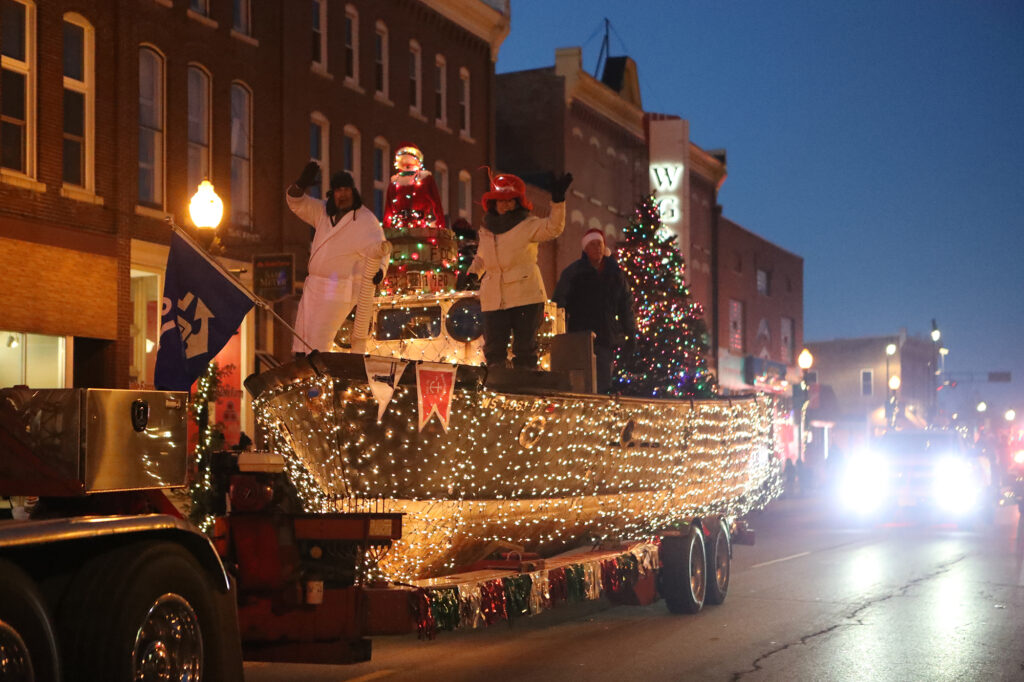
x=257 y=300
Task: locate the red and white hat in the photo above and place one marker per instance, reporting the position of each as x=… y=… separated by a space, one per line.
x=593 y=234
x=507 y=186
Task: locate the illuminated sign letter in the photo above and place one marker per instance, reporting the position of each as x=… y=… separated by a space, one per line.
x=665 y=177
x=669 y=207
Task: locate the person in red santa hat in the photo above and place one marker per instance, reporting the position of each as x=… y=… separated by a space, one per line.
x=512 y=293
x=596 y=297
x=412 y=199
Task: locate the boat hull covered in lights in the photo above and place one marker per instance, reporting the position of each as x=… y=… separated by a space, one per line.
x=532 y=467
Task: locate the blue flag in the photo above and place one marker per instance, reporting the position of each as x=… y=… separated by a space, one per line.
x=202 y=308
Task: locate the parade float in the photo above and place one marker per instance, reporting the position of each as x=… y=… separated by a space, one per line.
x=405 y=419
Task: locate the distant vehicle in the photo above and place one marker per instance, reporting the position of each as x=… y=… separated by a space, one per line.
x=934 y=472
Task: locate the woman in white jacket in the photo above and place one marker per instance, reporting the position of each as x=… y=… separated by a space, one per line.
x=512 y=291
x=347 y=234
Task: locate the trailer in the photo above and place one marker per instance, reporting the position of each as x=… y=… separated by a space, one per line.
x=102 y=578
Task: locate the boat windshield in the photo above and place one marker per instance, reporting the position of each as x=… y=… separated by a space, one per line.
x=422 y=322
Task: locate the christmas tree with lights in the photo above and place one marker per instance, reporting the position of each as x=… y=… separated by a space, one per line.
x=670 y=357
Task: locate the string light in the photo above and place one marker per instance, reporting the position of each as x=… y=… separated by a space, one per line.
x=586 y=476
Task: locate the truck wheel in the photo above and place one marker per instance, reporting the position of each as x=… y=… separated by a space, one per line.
x=719 y=562
x=28 y=646
x=683 y=566
x=142 y=612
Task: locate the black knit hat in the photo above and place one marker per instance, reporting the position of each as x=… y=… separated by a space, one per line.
x=342 y=179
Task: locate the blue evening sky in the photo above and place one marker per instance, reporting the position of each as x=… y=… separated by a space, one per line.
x=882 y=141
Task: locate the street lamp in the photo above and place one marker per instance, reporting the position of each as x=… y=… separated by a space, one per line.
x=894 y=385
x=982 y=406
x=804 y=361
x=936 y=334
x=1010 y=415
x=206 y=208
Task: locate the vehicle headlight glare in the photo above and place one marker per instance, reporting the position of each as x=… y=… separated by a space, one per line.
x=864 y=483
x=956 y=486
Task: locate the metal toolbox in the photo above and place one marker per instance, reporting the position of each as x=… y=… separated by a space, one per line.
x=73 y=441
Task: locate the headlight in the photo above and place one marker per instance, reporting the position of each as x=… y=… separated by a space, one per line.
x=956 y=486
x=1018 y=457
x=865 y=483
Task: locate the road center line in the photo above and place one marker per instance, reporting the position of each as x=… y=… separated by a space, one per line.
x=776 y=561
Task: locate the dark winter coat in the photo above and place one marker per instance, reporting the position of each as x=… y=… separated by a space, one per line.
x=600 y=302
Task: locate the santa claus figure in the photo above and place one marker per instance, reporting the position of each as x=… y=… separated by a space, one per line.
x=412 y=199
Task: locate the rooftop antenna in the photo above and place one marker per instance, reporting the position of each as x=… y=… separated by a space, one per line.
x=605 y=49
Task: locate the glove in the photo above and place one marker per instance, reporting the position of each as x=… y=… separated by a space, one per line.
x=308 y=177
x=379 y=277
x=558 y=186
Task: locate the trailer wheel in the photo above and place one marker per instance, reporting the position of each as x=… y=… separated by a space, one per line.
x=28 y=646
x=719 y=563
x=683 y=566
x=142 y=612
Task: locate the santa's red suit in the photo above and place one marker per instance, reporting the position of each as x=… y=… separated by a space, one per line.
x=412 y=201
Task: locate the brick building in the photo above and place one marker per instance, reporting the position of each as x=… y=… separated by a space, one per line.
x=113 y=110
x=758 y=318
x=561 y=119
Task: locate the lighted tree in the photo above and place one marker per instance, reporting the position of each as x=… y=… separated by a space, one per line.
x=670 y=355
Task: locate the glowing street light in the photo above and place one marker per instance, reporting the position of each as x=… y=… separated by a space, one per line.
x=982 y=406
x=894 y=382
x=206 y=208
x=890 y=350
x=805 y=360
x=1010 y=415
x=936 y=334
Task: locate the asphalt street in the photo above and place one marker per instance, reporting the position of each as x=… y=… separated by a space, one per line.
x=818 y=597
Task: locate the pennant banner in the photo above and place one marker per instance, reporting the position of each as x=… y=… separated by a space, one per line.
x=202 y=308
x=383 y=376
x=435 y=385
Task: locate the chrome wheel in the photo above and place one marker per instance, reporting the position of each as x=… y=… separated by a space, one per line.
x=15 y=664
x=721 y=561
x=698 y=568
x=169 y=643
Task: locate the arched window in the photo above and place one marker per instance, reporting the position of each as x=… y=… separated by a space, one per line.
x=351 y=44
x=241 y=154
x=79 y=102
x=380 y=60
x=151 y=128
x=18 y=71
x=198 y=126
x=351 y=155
x=415 y=77
x=319 y=151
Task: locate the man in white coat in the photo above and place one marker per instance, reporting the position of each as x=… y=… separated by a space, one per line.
x=346 y=234
x=512 y=291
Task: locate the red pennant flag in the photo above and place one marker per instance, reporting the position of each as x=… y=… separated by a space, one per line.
x=435 y=385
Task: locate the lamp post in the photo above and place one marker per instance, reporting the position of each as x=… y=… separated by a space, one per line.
x=894 y=385
x=206 y=210
x=804 y=361
x=890 y=350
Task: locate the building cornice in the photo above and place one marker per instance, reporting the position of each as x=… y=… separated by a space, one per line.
x=587 y=90
x=477 y=17
x=707 y=166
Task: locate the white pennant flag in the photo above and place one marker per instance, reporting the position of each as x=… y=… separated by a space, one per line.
x=383 y=376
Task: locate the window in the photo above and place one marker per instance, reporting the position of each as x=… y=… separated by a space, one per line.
x=415 y=76
x=17 y=85
x=735 y=326
x=151 y=128
x=350 y=152
x=351 y=44
x=465 y=195
x=764 y=282
x=787 y=345
x=34 y=360
x=441 y=177
x=320 y=34
x=200 y=7
x=241 y=16
x=319 y=138
x=198 y=127
x=866 y=381
x=380 y=59
x=440 y=91
x=464 y=102
x=380 y=174
x=241 y=154
x=78 y=101
x=145 y=296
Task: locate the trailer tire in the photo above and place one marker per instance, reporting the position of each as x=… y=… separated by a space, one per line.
x=682 y=580
x=28 y=645
x=145 y=611
x=719 y=551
